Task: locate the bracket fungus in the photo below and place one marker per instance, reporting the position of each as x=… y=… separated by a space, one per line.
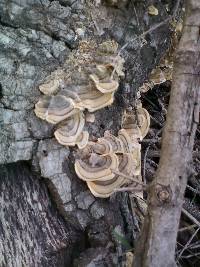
x=137 y=124
x=55 y=109
x=104 y=189
x=70 y=132
x=86 y=83
x=96 y=167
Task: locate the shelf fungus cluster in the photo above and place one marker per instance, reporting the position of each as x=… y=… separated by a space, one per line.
x=105 y=165
x=87 y=83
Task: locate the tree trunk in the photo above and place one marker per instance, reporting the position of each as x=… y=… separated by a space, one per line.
x=35 y=38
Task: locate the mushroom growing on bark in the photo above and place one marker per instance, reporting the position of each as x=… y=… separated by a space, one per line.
x=96 y=167
x=55 y=109
x=106 y=188
x=89 y=82
x=69 y=133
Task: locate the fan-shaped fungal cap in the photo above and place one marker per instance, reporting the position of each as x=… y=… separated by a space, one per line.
x=96 y=167
x=144 y=121
x=104 y=189
x=41 y=107
x=108 y=144
x=126 y=140
x=92 y=99
x=129 y=123
x=52 y=82
x=104 y=85
x=112 y=62
x=116 y=63
x=102 y=146
x=137 y=125
x=136 y=153
x=70 y=130
x=82 y=140
x=115 y=142
x=55 y=108
x=50 y=87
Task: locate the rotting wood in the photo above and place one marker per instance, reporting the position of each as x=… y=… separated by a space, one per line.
x=156 y=245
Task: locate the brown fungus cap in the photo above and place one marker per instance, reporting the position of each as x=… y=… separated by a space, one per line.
x=102 y=146
x=126 y=140
x=55 y=109
x=50 y=87
x=137 y=125
x=144 y=121
x=94 y=99
x=52 y=82
x=106 y=85
x=82 y=140
x=104 y=189
x=41 y=107
x=115 y=143
x=69 y=131
x=96 y=167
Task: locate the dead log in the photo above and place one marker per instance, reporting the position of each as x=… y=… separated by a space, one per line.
x=156 y=245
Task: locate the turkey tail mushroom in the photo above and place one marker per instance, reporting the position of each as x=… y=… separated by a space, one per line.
x=106 y=188
x=55 y=109
x=69 y=133
x=96 y=167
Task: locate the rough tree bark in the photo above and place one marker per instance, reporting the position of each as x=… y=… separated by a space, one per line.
x=35 y=38
x=156 y=246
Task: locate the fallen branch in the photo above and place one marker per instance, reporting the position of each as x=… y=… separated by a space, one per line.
x=156 y=245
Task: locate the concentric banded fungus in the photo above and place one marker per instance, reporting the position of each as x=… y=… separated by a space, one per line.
x=49 y=88
x=69 y=133
x=52 y=82
x=92 y=99
x=144 y=121
x=137 y=125
x=126 y=141
x=89 y=80
x=82 y=139
x=104 y=189
x=129 y=123
x=55 y=108
x=102 y=146
x=108 y=144
x=96 y=167
x=106 y=85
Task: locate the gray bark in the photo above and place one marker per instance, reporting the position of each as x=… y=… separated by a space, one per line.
x=35 y=38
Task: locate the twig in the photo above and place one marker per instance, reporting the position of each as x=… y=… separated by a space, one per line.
x=187 y=228
x=196 y=191
x=191 y=252
x=153 y=140
x=156 y=121
x=144 y=163
x=187 y=244
x=153 y=28
x=128 y=189
x=191 y=217
x=128 y=177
